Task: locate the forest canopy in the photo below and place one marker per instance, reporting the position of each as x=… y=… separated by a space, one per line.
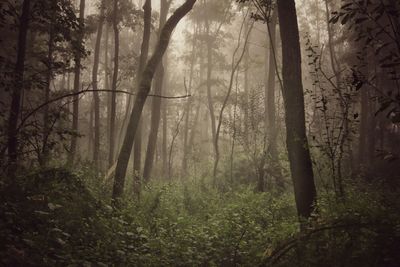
x=199 y=132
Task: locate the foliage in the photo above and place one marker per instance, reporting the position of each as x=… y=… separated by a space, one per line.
x=52 y=218
x=374 y=25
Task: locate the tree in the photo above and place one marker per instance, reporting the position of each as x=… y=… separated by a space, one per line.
x=143 y=91
x=12 y=143
x=186 y=148
x=77 y=83
x=144 y=51
x=114 y=84
x=234 y=67
x=96 y=98
x=43 y=159
x=156 y=103
x=270 y=102
x=296 y=139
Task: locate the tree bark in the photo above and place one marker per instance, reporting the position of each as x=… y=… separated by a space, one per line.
x=96 y=97
x=114 y=86
x=293 y=96
x=77 y=76
x=156 y=104
x=12 y=142
x=143 y=90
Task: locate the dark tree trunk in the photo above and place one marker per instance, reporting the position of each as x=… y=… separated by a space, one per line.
x=107 y=80
x=44 y=157
x=362 y=142
x=296 y=139
x=96 y=97
x=156 y=104
x=143 y=90
x=114 y=85
x=344 y=106
x=77 y=76
x=12 y=143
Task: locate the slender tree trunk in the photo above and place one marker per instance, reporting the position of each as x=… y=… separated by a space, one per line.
x=362 y=142
x=114 y=85
x=344 y=108
x=96 y=97
x=171 y=147
x=164 y=146
x=77 y=76
x=156 y=104
x=296 y=139
x=143 y=90
x=234 y=67
x=43 y=160
x=144 y=51
x=90 y=133
x=271 y=106
x=12 y=142
x=246 y=92
x=186 y=149
x=195 y=123
x=107 y=80
x=209 y=97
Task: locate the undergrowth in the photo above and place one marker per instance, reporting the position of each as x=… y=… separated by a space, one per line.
x=57 y=218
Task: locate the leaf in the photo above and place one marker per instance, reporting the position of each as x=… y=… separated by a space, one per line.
x=53 y=206
x=60 y=241
x=345 y=19
x=40 y=212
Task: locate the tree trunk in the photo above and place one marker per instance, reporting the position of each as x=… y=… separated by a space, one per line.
x=234 y=67
x=143 y=91
x=43 y=158
x=156 y=104
x=171 y=147
x=114 y=85
x=363 y=137
x=296 y=139
x=186 y=149
x=270 y=105
x=164 y=153
x=107 y=79
x=96 y=97
x=344 y=106
x=246 y=92
x=12 y=142
x=144 y=51
x=209 y=97
x=77 y=74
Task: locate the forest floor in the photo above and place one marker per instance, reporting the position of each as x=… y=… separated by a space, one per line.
x=59 y=218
